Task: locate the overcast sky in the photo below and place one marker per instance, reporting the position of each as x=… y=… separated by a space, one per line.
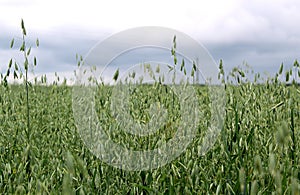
x=262 y=33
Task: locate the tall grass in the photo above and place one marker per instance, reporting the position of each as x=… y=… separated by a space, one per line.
x=41 y=151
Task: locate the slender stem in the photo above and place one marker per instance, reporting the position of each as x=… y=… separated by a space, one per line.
x=28 y=170
x=293 y=135
x=27 y=91
x=27 y=104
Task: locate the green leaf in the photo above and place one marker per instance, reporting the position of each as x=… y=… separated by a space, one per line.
x=22 y=23
x=34 y=61
x=116 y=75
x=182 y=65
x=174 y=41
x=157 y=70
x=12 y=43
x=194 y=66
x=22 y=48
x=7 y=72
x=175 y=60
x=10 y=63
x=281 y=69
x=23 y=27
x=241 y=73
x=170 y=68
x=296 y=64
x=133 y=75
x=15 y=75
x=277 y=105
x=16 y=66
x=28 y=51
x=173 y=51
x=287 y=76
x=26 y=64
x=221 y=65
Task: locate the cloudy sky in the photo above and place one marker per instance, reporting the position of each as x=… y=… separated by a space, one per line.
x=262 y=33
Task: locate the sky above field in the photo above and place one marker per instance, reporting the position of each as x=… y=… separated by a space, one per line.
x=262 y=33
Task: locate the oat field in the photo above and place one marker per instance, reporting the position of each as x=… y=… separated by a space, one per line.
x=257 y=151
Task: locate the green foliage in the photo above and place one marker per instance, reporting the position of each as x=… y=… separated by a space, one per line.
x=116 y=75
x=256 y=152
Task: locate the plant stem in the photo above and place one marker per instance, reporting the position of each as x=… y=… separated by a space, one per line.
x=27 y=108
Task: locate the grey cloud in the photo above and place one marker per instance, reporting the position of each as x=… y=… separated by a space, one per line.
x=261 y=56
x=263 y=34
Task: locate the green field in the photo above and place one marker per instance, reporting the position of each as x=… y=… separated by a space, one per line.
x=257 y=150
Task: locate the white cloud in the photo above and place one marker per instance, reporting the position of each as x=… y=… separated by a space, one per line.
x=116 y=15
x=213 y=20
